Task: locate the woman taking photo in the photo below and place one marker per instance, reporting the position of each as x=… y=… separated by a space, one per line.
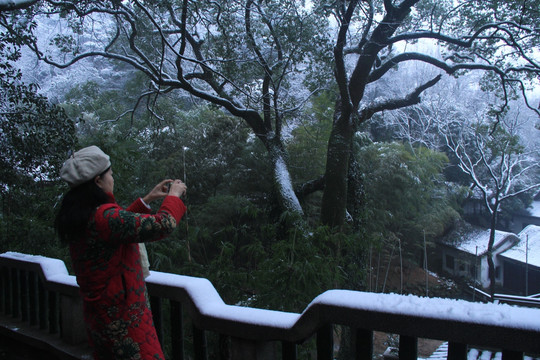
x=103 y=241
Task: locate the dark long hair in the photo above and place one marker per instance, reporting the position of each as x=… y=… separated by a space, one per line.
x=77 y=206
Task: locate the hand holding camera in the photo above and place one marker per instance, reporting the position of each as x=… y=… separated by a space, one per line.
x=177 y=188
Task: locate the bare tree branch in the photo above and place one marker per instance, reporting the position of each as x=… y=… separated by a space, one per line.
x=310 y=187
x=341 y=73
x=392 y=104
x=10 y=5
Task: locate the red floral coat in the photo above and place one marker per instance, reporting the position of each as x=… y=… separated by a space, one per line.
x=108 y=269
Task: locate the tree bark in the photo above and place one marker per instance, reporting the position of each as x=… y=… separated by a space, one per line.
x=334 y=201
x=491 y=243
x=286 y=197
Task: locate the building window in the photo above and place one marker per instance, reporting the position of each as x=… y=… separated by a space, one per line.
x=449 y=260
x=472 y=272
x=497 y=272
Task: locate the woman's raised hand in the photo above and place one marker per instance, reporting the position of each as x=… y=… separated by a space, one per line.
x=159 y=191
x=178 y=188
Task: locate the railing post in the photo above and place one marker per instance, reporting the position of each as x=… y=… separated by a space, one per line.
x=33 y=297
x=199 y=344
x=288 y=350
x=224 y=347
x=3 y=290
x=408 y=348
x=15 y=293
x=23 y=280
x=242 y=349
x=42 y=305
x=325 y=342
x=6 y=293
x=157 y=315
x=53 y=312
x=363 y=344
x=177 y=331
x=512 y=355
x=72 y=327
x=457 y=351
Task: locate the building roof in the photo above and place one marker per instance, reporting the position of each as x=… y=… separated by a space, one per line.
x=526 y=254
x=474 y=240
x=534 y=209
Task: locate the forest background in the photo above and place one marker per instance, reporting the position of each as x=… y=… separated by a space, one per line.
x=297 y=126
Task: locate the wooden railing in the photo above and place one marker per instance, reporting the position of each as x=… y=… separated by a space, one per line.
x=38 y=294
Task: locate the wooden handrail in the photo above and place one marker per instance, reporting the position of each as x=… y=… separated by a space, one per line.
x=513 y=330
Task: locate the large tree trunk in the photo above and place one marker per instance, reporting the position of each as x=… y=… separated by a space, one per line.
x=284 y=188
x=334 y=201
x=286 y=197
x=491 y=243
x=355 y=192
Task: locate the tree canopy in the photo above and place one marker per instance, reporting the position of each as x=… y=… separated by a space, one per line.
x=262 y=60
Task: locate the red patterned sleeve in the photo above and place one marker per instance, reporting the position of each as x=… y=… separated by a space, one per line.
x=138 y=206
x=118 y=225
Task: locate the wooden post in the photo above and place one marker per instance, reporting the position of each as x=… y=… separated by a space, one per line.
x=177 y=331
x=33 y=297
x=53 y=312
x=42 y=305
x=363 y=344
x=242 y=349
x=23 y=280
x=457 y=351
x=512 y=355
x=72 y=326
x=325 y=342
x=15 y=293
x=199 y=344
x=157 y=315
x=288 y=350
x=408 y=348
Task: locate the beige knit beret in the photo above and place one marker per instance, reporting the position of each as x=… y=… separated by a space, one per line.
x=84 y=165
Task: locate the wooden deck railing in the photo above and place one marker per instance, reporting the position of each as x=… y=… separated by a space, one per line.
x=40 y=297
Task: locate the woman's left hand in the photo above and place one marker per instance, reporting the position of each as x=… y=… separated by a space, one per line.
x=159 y=191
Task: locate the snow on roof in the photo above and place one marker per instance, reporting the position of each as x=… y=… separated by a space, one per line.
x=529 y=236
x=534 y=209
x=475 y=241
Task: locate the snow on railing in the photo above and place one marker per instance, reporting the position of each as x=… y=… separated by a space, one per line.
x=38 y=291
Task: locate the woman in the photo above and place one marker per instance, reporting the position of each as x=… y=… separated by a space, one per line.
x=103 y=240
